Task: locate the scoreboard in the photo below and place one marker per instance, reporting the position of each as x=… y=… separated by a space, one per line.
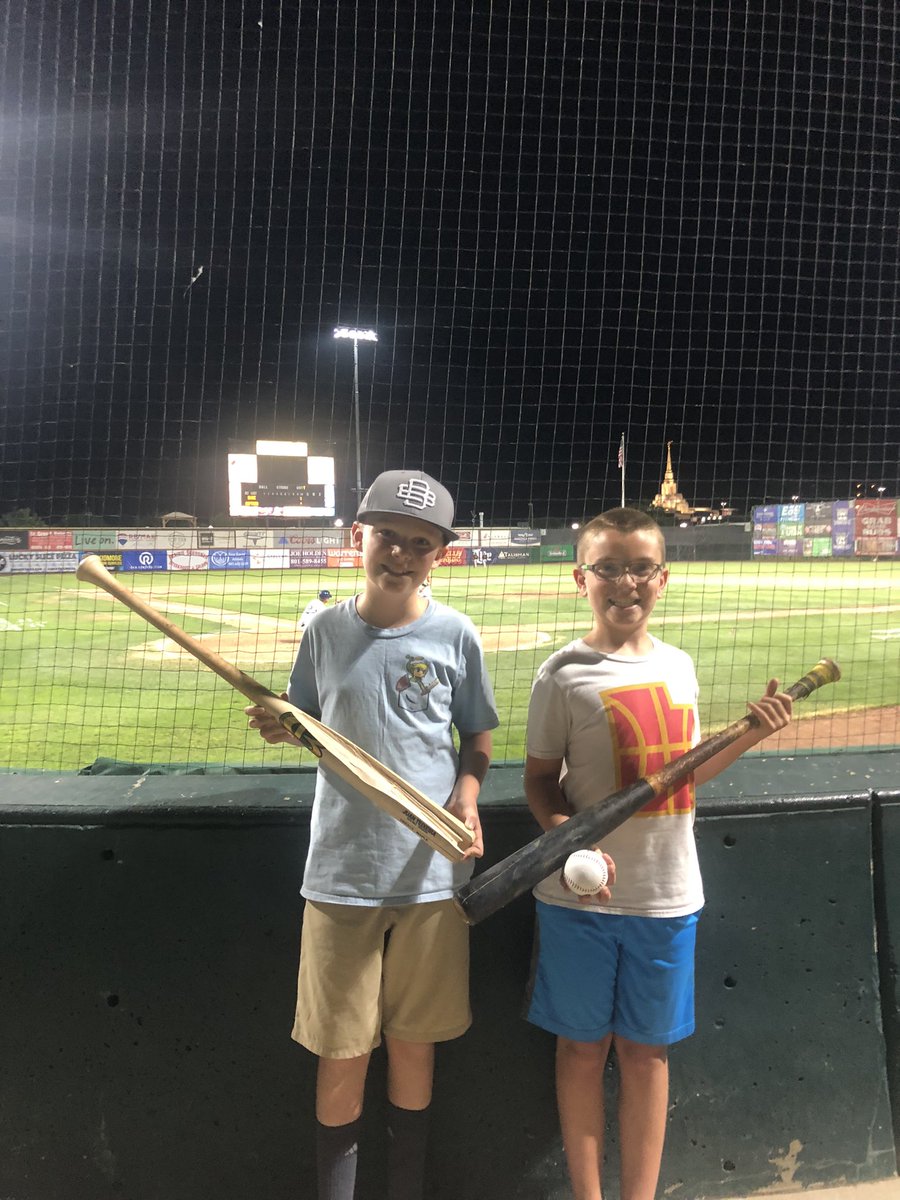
x=281 y=479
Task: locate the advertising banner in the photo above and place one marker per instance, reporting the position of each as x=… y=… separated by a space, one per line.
x=138 y=539
x=819 y=510
x=792 y=513
x=13 y=539
x=876 y=518
x=494 y=537
x=766 y=547
x=188 y=560
x=790 y=547
x=222 y=538
x=144 y=560
x=842 y=512
x=177 y=539
x=525 y=537
x=250 y=539
x=876 y=547
x=768 y=529
x=841 y=542
x=816 y=528
x=307 y=558
x=39 y=562
x=489 y=556
x=229 y=560
x=110 y=560
x=343 y=558
x=563 y=553
x=306 y=539
x=765 y=514
x=790 y=529
x=50 y=539
x=93 y=540
x=817 y=547
x=269 y=560
x=454 y=556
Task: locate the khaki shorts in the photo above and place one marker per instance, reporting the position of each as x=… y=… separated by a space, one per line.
x=404 y=971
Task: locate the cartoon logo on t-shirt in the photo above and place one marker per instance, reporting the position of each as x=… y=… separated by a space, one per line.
x=647 y=731
x=413 y=688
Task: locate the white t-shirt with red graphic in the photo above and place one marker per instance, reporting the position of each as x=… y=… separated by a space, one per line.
x=613 y=720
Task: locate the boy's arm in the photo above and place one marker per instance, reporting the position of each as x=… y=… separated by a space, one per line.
x=548 y=805
x=474 y=759
x=773 y=711
x=550 y=808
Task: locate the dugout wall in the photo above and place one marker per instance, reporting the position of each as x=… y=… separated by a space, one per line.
x=149 y=934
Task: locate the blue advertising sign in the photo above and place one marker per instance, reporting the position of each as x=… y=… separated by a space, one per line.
x=765 y=514
x=145 y=560
x=791 y=513
x=229 y=560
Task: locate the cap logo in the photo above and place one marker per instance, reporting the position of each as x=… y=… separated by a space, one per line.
x=416 y=494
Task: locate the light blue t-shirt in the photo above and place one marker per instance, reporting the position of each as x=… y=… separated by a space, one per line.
x=396 y=693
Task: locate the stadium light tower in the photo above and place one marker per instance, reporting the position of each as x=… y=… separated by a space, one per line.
x=356 y=336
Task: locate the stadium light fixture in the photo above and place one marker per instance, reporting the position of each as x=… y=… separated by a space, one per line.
x=356 y=336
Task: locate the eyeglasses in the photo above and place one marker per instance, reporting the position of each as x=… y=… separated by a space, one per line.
x=612 y=572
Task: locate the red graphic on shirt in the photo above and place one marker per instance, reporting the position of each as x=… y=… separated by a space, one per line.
x=647 y=731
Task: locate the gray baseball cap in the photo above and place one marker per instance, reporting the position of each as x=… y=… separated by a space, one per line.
x=409 y=494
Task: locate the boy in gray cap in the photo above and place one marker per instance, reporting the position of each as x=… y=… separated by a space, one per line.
x=383 y=948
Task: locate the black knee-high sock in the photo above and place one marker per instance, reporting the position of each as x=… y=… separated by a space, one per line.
x=336 y=1152
x=407 y=1142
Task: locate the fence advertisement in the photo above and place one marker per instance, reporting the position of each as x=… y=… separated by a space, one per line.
x=486 y=556
x=229 y=560
x=307 y=558
x=188 y=560
x=38 y=562
x=145 y=560
x=454 y=556
x=50 y=539
x=560 y=553
x=92 y=541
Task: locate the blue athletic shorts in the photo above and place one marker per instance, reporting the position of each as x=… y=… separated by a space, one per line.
x=598 y=973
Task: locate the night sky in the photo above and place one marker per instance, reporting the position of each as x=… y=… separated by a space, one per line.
x=566 y=221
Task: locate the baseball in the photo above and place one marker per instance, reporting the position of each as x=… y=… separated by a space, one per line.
x=585 y=872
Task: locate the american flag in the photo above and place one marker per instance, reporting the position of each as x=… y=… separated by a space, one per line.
x=621 y=461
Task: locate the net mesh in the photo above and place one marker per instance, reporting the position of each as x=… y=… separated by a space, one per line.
x=579 y=231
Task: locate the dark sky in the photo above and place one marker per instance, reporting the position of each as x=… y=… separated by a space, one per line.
x=566 y=221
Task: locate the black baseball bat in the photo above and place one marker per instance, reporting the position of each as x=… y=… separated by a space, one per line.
x=501 y=883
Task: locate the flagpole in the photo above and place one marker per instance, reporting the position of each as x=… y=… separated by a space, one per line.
x=622 y=466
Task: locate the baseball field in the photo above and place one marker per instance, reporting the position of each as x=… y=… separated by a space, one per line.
x=83 y=678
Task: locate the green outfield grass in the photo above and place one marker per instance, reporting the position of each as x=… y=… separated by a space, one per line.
x=83 y=678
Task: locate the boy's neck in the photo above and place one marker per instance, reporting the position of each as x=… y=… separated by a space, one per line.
x=635 y=645
x=389 y=612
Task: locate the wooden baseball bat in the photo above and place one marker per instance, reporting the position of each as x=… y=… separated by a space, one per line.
x=499 y=884
x=383 y=787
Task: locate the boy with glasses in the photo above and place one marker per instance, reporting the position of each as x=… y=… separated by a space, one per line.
x=616 y=969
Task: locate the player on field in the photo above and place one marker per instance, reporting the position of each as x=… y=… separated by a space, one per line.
x=383 y=948
x=315 y=606
x=619 y=972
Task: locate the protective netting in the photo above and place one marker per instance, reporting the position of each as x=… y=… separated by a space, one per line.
x=581 y=232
